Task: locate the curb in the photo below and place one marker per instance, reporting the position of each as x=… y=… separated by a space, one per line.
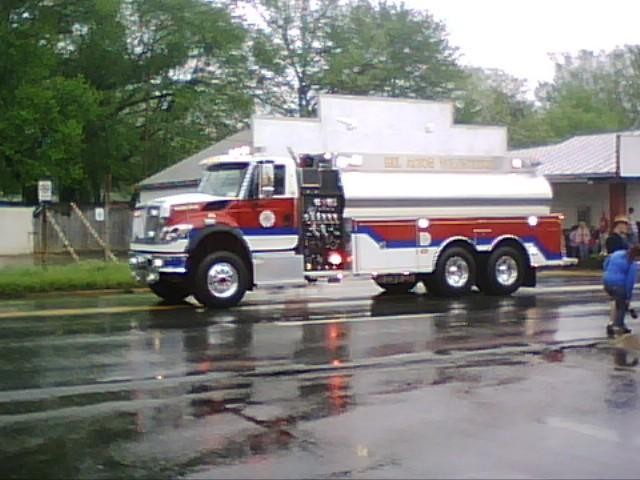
x=79 y=293
x=569 y=273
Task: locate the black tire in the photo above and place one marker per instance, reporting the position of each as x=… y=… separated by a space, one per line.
x=501 y=283
x=170 y=292
x=443 y=282
x=232 y=286
x=429 y=282
x=394 y=288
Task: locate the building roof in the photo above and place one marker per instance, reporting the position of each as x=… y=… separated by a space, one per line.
x=189 y=170
x=580 y=156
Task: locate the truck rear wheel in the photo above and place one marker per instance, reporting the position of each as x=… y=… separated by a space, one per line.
x=170 y=292
x=221 y=280
x=455 y=272
x=505 y=271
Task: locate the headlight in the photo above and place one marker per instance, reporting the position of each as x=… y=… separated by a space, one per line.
x=175 y=232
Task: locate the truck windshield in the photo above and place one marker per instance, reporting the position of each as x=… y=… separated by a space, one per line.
x=223 y=180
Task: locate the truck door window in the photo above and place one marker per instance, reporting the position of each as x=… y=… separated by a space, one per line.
x=278 y=180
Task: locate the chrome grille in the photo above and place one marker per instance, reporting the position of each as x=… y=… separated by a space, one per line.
x=137 y=227
x=147 y=225
x=152 y=225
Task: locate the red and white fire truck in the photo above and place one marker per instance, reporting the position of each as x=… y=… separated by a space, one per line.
x=259 y=221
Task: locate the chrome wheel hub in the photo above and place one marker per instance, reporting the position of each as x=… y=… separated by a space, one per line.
x=506 y=271
x=222 y=280
x=456 y=272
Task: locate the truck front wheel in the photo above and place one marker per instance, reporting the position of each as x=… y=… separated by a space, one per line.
x=221 y=280
x=170 y=292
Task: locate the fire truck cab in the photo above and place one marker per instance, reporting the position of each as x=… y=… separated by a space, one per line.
x=260 y=221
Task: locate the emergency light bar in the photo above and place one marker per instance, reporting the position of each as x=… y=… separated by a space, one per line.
x=238 y=153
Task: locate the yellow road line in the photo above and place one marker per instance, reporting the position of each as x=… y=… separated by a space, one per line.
x=60 y=312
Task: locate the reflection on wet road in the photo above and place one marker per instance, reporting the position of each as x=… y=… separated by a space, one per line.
x=253 y=392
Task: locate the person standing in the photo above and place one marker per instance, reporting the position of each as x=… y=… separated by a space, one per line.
x=617 y=240
x=583 y=240
x=633 y=227
x=573 y=242
x=603 y=230
x=619 y=278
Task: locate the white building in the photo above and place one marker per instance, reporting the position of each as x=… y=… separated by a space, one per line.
x=346 y=124
x=592 y=175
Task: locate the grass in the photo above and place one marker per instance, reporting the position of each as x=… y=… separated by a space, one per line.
x=87 y=275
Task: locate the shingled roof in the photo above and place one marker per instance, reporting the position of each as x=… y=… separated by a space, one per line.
x=188 y=171
x=581 y=156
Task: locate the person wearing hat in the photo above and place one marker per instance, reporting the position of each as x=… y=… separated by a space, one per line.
x=619 y=278
x=617 y=240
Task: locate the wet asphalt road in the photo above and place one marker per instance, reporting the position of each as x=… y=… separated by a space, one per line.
x=329 y=381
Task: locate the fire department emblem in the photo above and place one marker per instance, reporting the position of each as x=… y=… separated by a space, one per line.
x=267 y=219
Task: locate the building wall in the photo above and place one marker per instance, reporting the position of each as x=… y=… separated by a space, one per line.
x=273 y=136
x=571 y=199
x=629 y=151
x=378 y=126
x=384 y=125
x=17 y=230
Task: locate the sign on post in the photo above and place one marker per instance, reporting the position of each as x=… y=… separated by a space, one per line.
x=45 y=191
x=99 y=214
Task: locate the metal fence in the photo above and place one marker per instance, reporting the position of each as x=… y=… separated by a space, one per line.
x=78 y=234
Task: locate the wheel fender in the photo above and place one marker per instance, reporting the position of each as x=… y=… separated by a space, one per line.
x=198 y=236
x=443 y=246
x=518 y=240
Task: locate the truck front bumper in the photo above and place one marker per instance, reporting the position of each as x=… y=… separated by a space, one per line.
x=147 y=267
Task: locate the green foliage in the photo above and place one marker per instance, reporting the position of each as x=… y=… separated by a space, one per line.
x=592 y=93
x=114 y=87
x=493 y=97
x=391 y=50
x=289 y=45
x=43 y=129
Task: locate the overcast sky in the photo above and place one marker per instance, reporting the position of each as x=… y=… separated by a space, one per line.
x=517 y=35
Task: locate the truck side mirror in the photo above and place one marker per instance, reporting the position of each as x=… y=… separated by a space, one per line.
x=266 y=180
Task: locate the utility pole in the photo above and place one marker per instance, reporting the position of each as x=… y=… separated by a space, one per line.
x=43 y=234
x=107 y=219
x=45 y=195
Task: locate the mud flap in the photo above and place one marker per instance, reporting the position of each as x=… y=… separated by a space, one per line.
x=529 y=278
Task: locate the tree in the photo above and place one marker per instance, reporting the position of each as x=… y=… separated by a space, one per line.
x=592 y=93
x=114 y=87
x=305 y=47
x=289 y=46
x=44 y=113
x=388 y=49
x=493 y=97
x=176 y=82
